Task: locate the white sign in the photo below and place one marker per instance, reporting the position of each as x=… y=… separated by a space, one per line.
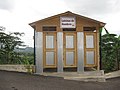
x=67 y=22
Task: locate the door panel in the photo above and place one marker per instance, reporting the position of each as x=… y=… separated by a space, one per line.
x=50 y=58
x=69 y=49
x=89 y=41
x=50 y=41
x=70 y=58
x=70 y=41
x=90 y=57
x=49 y=50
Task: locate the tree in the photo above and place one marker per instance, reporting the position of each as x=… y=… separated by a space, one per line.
x=117 y=49
x=110 y=45
x=8 y=42
x=100 y=44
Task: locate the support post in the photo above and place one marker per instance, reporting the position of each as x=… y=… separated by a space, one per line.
x=39 y=52
x=60 y=51
x=80 y=51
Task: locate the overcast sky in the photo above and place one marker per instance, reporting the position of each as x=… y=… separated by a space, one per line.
x=16 y=14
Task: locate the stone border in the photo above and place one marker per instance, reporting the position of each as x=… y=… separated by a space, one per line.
x=18 y=68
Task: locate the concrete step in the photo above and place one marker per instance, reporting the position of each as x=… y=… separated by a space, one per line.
x=83 y=76
x=88 y=76
x=112 y=74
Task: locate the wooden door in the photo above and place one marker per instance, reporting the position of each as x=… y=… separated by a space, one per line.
x=49 y=50
x=90 y=49
x=69 y=49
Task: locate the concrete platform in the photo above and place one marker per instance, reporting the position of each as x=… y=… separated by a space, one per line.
x=112 y=74
x=84 y=76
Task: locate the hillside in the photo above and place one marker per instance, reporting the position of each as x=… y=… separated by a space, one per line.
x=25 y=50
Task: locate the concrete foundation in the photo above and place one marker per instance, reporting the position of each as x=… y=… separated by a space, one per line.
x=18 y=68
x=85 y=76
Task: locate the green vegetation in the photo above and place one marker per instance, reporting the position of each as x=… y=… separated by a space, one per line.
x=110 y=45
x=9 y=49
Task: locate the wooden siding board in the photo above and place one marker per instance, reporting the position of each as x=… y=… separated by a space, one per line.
x=81 y=21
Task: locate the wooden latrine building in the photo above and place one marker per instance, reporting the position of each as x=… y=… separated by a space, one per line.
x=66 y=40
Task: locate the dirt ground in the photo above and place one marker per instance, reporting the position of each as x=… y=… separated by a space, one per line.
x=23 y=81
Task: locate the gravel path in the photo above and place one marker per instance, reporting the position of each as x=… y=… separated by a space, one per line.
x=23 y=81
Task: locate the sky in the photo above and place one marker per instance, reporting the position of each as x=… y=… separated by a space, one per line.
x=15 y=15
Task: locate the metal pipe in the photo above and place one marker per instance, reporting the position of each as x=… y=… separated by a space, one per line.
x=100 y=49
x=34 y=49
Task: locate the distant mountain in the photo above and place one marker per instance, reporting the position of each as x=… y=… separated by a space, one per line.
x=25 y=50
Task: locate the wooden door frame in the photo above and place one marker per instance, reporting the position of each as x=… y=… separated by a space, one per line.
x=49 y=49
x=70 y=49
x=90 y=49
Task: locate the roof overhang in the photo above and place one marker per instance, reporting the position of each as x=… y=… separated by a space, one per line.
x=102 y=24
